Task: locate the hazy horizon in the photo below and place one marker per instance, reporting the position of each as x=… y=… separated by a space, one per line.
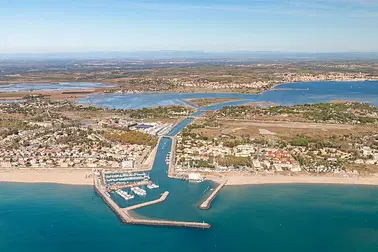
x=172 y=54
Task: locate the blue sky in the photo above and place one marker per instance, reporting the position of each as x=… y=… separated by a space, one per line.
x=217 y=25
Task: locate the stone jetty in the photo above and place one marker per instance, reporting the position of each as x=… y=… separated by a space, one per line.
x=161 y=199
x=207 y=203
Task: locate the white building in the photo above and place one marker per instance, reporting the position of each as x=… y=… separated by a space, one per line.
x=195 y=177
x=127 y=164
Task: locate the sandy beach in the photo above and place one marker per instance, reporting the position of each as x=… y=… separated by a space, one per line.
x=300 y=179
x=84 y=177
x=57 y=176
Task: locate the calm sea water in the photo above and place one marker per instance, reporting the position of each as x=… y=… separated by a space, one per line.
x=304 y=92
x=47 y=217
x=20 y=87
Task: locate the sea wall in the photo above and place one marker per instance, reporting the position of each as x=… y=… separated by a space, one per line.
x=207 y=203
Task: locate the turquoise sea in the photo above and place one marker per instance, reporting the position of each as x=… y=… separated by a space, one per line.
x=48 y=217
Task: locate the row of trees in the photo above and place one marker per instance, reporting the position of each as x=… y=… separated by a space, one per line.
x=235 y=161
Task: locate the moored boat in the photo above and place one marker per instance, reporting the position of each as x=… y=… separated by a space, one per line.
x=152 y=185
x=139 y=191
x=124 y=194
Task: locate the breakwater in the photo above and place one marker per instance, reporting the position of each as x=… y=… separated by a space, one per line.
x=161 y=199
x=125 y=216
x=207 y=203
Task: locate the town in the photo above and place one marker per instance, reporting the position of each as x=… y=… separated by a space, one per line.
x=224 y=141
x=40 y=133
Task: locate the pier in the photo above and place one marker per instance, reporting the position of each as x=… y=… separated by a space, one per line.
x=125 y=216
x=161 y=199
x=172 y=158
x=207 y=203
x=171 y=165
x=116 y=187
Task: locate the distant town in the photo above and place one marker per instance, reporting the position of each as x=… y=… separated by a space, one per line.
x=243 y=76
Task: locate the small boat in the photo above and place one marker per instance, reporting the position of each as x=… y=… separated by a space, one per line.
x=152 y=186
x=124 y=194
x=139 y=191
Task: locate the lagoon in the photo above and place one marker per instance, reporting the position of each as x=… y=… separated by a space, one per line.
x=61 y=86
x=295 y=93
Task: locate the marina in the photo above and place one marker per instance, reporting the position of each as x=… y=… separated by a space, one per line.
x=163 y=167
x=125 y=185
x=126 y=217
x=119 y=180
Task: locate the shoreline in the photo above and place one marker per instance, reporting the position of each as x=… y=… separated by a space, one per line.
x=240 y=180
x=79 y=94
x=84 y=176
x=48 y=176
